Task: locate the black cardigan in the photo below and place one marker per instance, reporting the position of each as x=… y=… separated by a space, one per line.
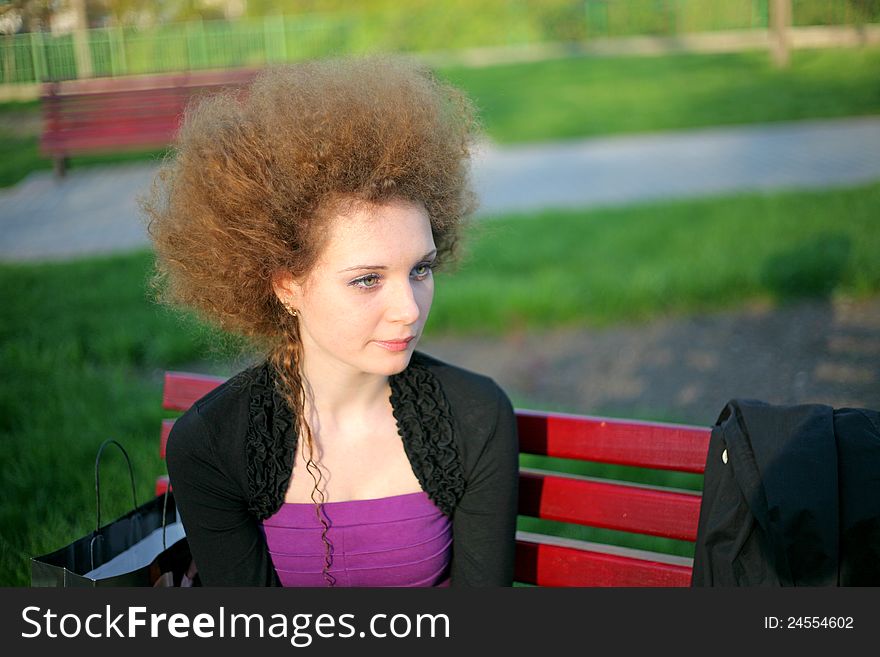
x=230 y=458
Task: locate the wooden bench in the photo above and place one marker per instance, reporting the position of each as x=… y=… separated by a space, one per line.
x=547 y=560
x=122 y=114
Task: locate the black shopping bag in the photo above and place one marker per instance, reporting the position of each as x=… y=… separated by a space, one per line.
x=145 y=547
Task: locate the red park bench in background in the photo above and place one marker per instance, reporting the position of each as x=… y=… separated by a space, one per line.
x=82 y=117
x=547 y=560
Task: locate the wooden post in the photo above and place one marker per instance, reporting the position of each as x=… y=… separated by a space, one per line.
x=274 y=39
x=7 y=58
x=780 y=23
x=35 y=56
x=120 y=42
x=81 y=52
x=111 y=48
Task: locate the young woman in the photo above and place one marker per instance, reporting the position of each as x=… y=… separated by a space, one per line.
x=309 y=213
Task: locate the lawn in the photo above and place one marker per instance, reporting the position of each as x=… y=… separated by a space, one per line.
x=585 y=97
x=82 y=347
x=589 y=96
x=599 y=267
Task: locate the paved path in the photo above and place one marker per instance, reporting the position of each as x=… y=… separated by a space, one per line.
x=94 y=210
x=620 y=170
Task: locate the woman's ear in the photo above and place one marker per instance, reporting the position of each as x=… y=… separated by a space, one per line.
x=287 y=289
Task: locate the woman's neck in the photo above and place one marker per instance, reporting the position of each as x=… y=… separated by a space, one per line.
x=340 y=395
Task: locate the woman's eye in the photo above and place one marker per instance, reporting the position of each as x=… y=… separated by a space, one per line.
x=371 y=280
x=422 y=271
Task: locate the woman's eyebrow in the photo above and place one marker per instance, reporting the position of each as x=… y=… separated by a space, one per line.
x=356 y=267
x=427 y=256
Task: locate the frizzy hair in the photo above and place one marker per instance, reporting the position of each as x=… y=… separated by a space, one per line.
x=256 y=174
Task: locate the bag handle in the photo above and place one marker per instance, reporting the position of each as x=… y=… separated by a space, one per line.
x=164 y=511
x=133 y=494
x=110 y=441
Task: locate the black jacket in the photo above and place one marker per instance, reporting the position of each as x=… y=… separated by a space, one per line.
x=791 y=498
x=230 y=458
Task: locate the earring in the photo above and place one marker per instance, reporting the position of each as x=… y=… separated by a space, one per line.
x=290 y=310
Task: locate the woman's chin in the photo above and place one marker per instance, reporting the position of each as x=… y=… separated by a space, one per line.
x=394 y=362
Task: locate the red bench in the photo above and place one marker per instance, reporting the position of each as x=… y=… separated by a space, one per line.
x=122 y=114
x=547 y=560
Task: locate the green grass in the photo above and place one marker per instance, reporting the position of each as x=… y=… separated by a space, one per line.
x=82 y=352
x=16 y=107
x=588 y=96
x=82 y=348
x=584 y=97
x=631 y=264
x=20 y=155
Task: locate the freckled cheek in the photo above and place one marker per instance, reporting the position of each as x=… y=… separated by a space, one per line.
x=362 y=315
x=424 y=295
x=331 y=309
x=334 y=316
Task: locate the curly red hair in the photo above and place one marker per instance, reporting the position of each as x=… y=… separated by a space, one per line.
x=255 y=176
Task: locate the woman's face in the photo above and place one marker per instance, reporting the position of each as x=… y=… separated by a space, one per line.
x=363 y=306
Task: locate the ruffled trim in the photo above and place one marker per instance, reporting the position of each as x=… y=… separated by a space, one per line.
x=270 y=444
x=424 y=422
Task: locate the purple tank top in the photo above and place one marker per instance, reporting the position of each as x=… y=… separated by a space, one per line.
x=402 y=540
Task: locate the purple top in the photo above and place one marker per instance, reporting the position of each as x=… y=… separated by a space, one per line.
x=402 y=540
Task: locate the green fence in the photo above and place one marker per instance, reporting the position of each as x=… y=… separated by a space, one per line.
x=413 y=26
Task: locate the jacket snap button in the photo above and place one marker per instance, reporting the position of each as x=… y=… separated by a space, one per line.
x=724 y=457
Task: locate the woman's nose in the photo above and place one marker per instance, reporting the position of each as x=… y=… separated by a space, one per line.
x=403 y=306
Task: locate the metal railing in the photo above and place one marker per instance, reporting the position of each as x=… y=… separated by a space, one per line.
x=413 y=26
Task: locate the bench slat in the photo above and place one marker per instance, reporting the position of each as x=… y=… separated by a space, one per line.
x=88 y=104
x=545 y=564
x=71 y=123
x=152 y=83
x=182 y=389
x=98 y=143
x=623 y=442
x=609 y=505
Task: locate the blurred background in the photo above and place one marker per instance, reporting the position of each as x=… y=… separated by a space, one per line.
x=679 y=205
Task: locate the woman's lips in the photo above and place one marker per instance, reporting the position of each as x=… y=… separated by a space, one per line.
x=395 y=345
